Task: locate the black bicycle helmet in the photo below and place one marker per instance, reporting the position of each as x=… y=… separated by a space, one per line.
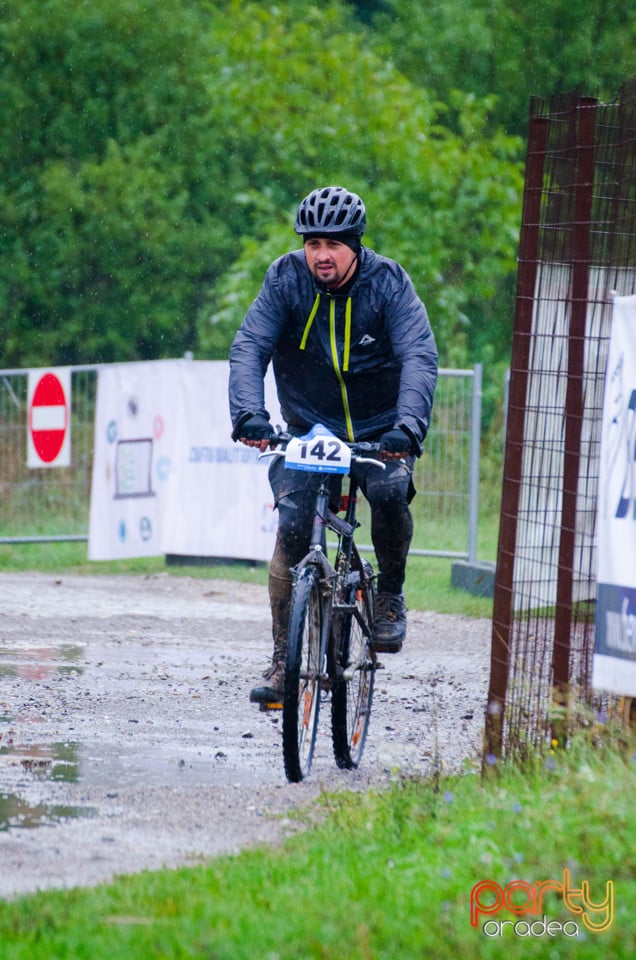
x=331 y=210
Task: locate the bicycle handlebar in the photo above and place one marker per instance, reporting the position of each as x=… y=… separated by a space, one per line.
x=361 y=447
x=359 y=451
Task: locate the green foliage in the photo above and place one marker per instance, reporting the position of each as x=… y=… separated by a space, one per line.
x=436 y=199
x=154 y=154
x=106 y=212
x=510 y=48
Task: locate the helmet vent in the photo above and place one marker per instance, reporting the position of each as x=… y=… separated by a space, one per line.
x=331 y=210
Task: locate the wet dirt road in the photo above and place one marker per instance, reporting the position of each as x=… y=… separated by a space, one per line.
x=127 y=741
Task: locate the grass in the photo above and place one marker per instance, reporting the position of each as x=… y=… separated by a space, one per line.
x=428 y=584
x=384 y=877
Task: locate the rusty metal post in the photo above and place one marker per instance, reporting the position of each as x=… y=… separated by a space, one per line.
x=574 y=407
x=513 y=456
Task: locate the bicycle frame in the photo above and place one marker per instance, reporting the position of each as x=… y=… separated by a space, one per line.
x=334 y=577
x=331 y=618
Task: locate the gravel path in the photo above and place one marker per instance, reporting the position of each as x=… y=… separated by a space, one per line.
x=127 y=741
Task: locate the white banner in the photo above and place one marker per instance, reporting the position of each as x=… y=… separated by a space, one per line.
x=218 y=502
x=167 y=478
x=614 y=666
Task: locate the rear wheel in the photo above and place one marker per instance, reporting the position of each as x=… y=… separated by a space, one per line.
x=303 y=674
x=352 y=693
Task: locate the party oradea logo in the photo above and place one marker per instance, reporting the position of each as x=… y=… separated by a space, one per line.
x=526 y=901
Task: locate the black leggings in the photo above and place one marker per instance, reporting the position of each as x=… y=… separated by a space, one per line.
x=388 y=492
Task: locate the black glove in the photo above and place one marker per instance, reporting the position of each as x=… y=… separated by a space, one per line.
x=396 y=441
x=256 y=427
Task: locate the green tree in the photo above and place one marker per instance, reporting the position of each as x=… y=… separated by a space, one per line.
x=107 y=212
x=511 y=49
x=318 y=106
x=153 y=155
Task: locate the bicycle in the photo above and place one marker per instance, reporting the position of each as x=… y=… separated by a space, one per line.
x=329 y=645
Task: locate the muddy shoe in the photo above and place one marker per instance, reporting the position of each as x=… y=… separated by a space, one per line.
x=389 y=624
x=272 y=691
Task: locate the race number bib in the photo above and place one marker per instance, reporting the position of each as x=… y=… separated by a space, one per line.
x=319 y=451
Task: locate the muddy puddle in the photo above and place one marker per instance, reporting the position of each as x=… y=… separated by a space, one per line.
x=106 y=686
x=35 y=660
x=30 y=771
x=108 y=765
x=15 y=813
x=127 y=740
x=24 y=766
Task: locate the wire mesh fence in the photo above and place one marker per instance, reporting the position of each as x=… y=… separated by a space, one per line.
x=53 y=503
x=48 y=503
x=577 y=249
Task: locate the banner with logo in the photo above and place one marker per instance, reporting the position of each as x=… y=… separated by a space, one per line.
x=218 y=502
x=614 y=665
x=167 y=478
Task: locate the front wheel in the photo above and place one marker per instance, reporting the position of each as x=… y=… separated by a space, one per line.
x=353 y=686
x=304 y=672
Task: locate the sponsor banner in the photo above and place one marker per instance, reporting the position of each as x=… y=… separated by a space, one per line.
x=218 y=502
x=614 y=664
x=167 y=478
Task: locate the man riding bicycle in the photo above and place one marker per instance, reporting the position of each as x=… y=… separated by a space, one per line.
x=352 y=349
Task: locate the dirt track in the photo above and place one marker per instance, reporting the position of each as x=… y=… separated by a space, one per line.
x=127 y=740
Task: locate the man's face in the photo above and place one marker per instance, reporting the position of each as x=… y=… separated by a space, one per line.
x=331 y=262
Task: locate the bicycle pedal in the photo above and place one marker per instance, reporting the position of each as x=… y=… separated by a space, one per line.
x=266 y=707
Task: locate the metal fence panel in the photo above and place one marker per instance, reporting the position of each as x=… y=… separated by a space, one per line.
x=577 y=248
x=48 y=504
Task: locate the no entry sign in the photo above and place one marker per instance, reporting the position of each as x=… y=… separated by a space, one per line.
x=48 y=428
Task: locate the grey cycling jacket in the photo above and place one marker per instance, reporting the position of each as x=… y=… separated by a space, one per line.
x=360 y=362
